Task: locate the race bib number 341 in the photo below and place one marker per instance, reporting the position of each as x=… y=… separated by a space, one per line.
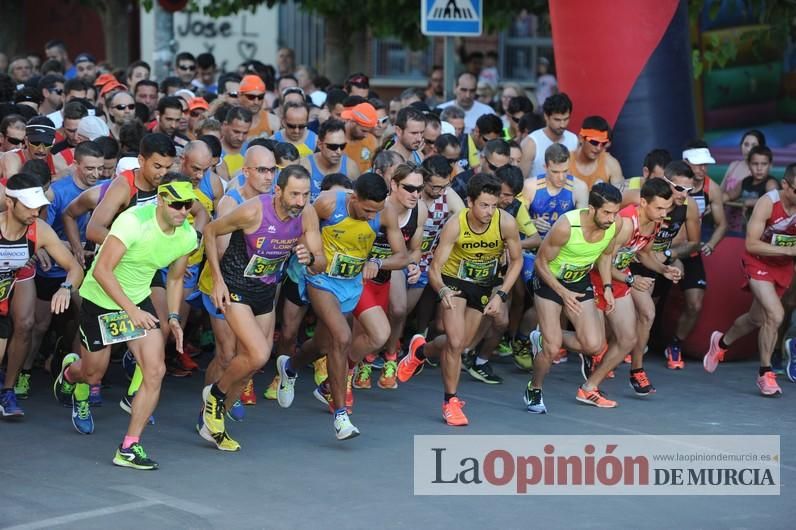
x=117 y=327
x=260 y=267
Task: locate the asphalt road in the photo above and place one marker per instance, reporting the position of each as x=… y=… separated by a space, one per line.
x=293 y=473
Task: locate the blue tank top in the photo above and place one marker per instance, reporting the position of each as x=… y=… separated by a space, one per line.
x=206 y=186
x=316 y=177
x=311 y=141
x=64 y=191
x=235 y=195
x=551 y=207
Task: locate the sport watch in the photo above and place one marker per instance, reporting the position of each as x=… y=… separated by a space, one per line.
x=629 y=280
x=668 y=255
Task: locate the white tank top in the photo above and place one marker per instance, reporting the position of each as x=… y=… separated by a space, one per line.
x=570 y=140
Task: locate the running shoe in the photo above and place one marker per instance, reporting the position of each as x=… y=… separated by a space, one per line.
x=378 y=362
x=248 y=396
x=715 y=353
x=410 y=363
x=504 y=348
x=173 y=369
x=134 y=457
x=594 y=397
x=484 y=373
x=126 y=404
x=628 y=359
x=789 y=360
x=349 y=391
x=285 y=392
x=587 y=366
x=323 y=394
x=362 y=380
x=237 y=411
x=343 y=428
x=221 y=439
x=522 y=354
x=63 y=389
x=193 y=351
x=562 y=357
x=321 y=373
x=533 y=400
x=640 y=383
x=453 y=414
x=767 y=383
x=270 y=392
x=674 y=357
x=81 y=415
x=185 y=362
x=535 y=338
x=128 y=363
x=468 y=358
x=8 y=404
x=387 y=379
x=22 y=386
x=95 y=395
x=433 y=363
x=213 y=417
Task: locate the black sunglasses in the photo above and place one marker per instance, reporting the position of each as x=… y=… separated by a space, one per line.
x=40 y=144
x=252 y=97
x=232 y=94
x=14 y=141
x=383 y=120
x=59 y=91
x=515 y=119
x=597 y=143
x=492 y=166
x=297 y=126
x=452 y=161
x=187 y=68
x=196 y=113
x=131 y=106
x=412 y=189
x=180 y=205
x=336 y=147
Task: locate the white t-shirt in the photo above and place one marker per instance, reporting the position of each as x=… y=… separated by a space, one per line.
x=471 y=116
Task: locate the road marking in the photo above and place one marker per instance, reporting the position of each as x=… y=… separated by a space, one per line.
x=172 y=502
x=80 y=516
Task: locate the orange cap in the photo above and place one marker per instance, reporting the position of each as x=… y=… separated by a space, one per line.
x=104 y=79
x=364 y=114
x=251 y=83
x=109 y=87
x=198 y=103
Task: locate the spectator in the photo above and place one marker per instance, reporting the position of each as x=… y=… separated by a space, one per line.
x=736 y=172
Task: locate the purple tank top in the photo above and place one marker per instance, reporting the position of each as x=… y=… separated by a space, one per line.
x=270 y=246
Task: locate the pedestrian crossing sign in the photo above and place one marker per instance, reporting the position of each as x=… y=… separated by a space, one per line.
x=452 y=17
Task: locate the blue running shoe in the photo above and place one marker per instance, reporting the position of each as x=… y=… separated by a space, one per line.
x=128 y=363
x=236 y=412
x=95 y=395
x=789 y=360
x=81 y=416
x=126 y=404
x=8 y=404
x=674 y=357
x=63 y=389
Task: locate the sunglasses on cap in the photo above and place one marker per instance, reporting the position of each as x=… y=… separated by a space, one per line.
x=383 y=120
x=131 y=106
x=262 y=170
x=14 y=141
x=292 y=90
x=179 y=205
x=187 y=67
x=296 y=126
x=253 y=97
x=596 y=143
x=336 y=147
x=678 y=188
x=412 y=189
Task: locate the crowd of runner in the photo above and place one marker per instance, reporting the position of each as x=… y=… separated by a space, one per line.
x=267 y=213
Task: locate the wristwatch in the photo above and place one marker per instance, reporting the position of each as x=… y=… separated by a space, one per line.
x=608 y=286
x=629 y=279
x=67 y=286
x=502 y=294
x=312 y=260
x=668 y=255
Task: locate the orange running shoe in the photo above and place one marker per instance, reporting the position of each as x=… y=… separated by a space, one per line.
x=562 y=357
x=363 y=378
x=453 y=414
x=595 y=398
x=248 y=397
x=410 y=363
x=387 y=378
x=185 y=362
x=767 y=383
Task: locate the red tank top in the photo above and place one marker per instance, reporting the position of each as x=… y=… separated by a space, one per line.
x=780 y=231
x=21 y=154
x=637 y=242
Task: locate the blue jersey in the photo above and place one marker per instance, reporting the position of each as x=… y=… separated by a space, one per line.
x=316 y=177
x=64 y=191
x=551 y=207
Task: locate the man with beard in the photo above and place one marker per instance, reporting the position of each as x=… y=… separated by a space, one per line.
x=234 y=131
x=119 y=109
x=330 y=157
x=409 y=126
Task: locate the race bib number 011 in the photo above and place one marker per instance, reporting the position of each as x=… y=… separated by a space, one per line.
x=260 y=267
x=783 y=240
x=573 y=273
x=477 y=271
x=117 y=327
x=345 y=266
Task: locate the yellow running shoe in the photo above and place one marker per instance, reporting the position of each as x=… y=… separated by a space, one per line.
x=270 y=392
x=221 y=439
x=213 y=415
x=320 y=370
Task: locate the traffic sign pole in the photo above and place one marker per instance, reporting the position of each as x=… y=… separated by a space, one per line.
x=449 y=65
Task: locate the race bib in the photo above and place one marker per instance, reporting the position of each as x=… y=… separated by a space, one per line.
x=260 y=267
x=117 y=327
x=345 y=266
x=623 y=259
x=573 y=273
x=477 y=271
x=783 y=240
x=428 y=242
x=5 y=288
x=380 y=252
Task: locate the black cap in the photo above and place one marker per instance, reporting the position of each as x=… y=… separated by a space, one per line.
x=40 y=130
x=85 y=58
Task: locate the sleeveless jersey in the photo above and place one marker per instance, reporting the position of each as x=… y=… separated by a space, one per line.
x=138 y=197
x=267 y=250
x=551 y=207
x=780 y=231
x=569 y=139
x=236 y=243
x=381 y=247
x=475 y=257
x=637 y=242
x=305 y=148
x=577 y=257
x=347 y=241
x=15 y=255
x=64 y=191
x=702 y=197
x=670 y=228
x=438 y=213
x=50 y=164
x=316 y=176
x=598 y=175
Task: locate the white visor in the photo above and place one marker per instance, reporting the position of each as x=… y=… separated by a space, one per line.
x=698 y=156
x=30 y=197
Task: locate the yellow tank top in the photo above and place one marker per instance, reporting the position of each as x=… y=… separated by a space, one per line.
x=346 y=241
x=198 y=255
x=475 y=257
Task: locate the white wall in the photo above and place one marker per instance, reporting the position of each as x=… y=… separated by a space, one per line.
x=231 y=40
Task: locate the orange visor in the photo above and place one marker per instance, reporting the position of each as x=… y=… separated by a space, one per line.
x=594 y=134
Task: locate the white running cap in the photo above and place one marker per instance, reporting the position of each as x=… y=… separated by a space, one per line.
x=698 y=156
x=30 y=197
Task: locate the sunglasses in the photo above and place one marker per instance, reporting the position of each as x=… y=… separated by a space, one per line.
x=678 y=188
x=131 y=106
x=14 y=141
x=383 y=120
x=255 y=97
x=187 y=67
x=59 y=91
x=232 y=94
x=336 y=147
x=297 y=126
x=598 y=143
x=437 y=188
x=515 y=119
x=262 y=170
x=197 y=113
x=180 y=205
x=40 y=144
x=412 y=189
x=492 y=166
